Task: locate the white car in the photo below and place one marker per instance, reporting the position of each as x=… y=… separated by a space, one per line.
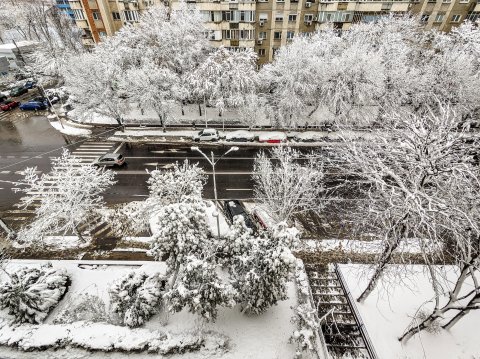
x=309 y=137
x=272 y=137
x=208 y=134
x=240 y=136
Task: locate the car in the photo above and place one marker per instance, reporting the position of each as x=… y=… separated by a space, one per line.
x=240 y=136
x=110 y=160
x=53 y=99
x=8 y=105
x=30 y=84
x=18 y=91
x=208 y=134
x=234 y=208
x=309 y=136
x=33 y=106
x=272 y=137
x=3 y=97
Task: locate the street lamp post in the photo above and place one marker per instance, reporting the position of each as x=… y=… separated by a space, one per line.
x=213 y=163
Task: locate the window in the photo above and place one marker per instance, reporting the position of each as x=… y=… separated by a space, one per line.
x=281 y=1
x=277 y=35
x=290 y=35
x=78 y=14
x=96 y=15
x=262 y=35
x=308 y=17
x=131 y=15
x=456 y=18
x=425 y=17
x=292 y=17
x=261 y=52
x=116 y=16
x=263 y=17
x=464 y=1
x=439 y=17
x=238 y=34
x=278 y=16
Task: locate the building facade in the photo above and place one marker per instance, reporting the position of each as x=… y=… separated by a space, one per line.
x=266 y=25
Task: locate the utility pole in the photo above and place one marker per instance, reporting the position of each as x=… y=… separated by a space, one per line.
x=213 y=163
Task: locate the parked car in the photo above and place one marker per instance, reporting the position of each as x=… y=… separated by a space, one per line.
x=240 y=136
x=110 y=160
x=8 y=105
x=3 y=97
x=53 y=99
x=33 y=106
x=272 y=137
x=208 y=134
x=234 y=208
x=309 y=137
x=30 y=84
x=18 y=91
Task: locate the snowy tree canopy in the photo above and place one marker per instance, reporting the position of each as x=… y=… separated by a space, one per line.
x=69 y=195
x=173 y=185
x=31 y=293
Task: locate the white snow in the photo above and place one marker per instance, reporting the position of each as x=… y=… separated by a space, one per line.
x=354 y=246
x=56 y=242
x=212 y=212
x=250 y=337
x=70 y=130
x=387 y=315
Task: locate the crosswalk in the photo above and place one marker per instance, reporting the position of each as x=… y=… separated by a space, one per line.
x=87 y=152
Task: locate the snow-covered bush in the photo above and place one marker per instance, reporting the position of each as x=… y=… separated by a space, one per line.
x=85 y=307
x=136 y=297
x=31 y=293
x=128 y=219
x=237 y=241
x=200 y=289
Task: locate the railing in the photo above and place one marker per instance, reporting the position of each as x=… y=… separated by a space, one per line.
x=351 y=301
x=319 y=333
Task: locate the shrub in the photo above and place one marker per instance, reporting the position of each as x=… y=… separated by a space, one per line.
x=136 y=297
x=31 y=293
x=86 y=307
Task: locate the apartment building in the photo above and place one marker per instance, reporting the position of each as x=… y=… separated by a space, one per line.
x=266 y=25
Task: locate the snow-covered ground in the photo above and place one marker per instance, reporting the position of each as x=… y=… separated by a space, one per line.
x=389 y=310
x=249 y=337
x=354 y=246
x=70 y=130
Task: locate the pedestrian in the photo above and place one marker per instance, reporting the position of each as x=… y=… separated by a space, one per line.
x=194 y=125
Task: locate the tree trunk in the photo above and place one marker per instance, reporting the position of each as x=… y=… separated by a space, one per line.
x=10 y=232
x=200 y=109
x=423 y=325
x=77 y=232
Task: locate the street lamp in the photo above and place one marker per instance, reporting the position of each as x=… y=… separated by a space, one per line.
x=213 y=163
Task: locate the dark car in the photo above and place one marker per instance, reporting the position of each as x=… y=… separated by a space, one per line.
x=234 y=208
x=3 y=98
x=8 y=105
x=30 y=85
x=33 y=106
x=18 y=91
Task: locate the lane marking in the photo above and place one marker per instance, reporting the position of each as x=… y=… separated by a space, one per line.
x=188 y=157
x=238 y=189
x=138 y=172
x=118 y=148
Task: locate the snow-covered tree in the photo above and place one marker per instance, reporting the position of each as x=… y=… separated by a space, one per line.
x=171 y=186
x=415 y=165
x=68 y=196
x=260 y=273
x=136 y=297
x=31 y=293
x=288 y=182
x=225 y=78
x=182 y=231
x=200 y=288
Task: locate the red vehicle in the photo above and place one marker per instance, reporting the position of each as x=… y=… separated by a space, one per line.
x=8 y=105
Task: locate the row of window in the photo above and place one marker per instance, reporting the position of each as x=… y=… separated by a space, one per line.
x=440 y=17
x=238 y=35
x=128 y=15
x=230 y=16
x=263 y=17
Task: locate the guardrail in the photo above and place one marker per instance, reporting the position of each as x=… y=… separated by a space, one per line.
x=351 y=301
